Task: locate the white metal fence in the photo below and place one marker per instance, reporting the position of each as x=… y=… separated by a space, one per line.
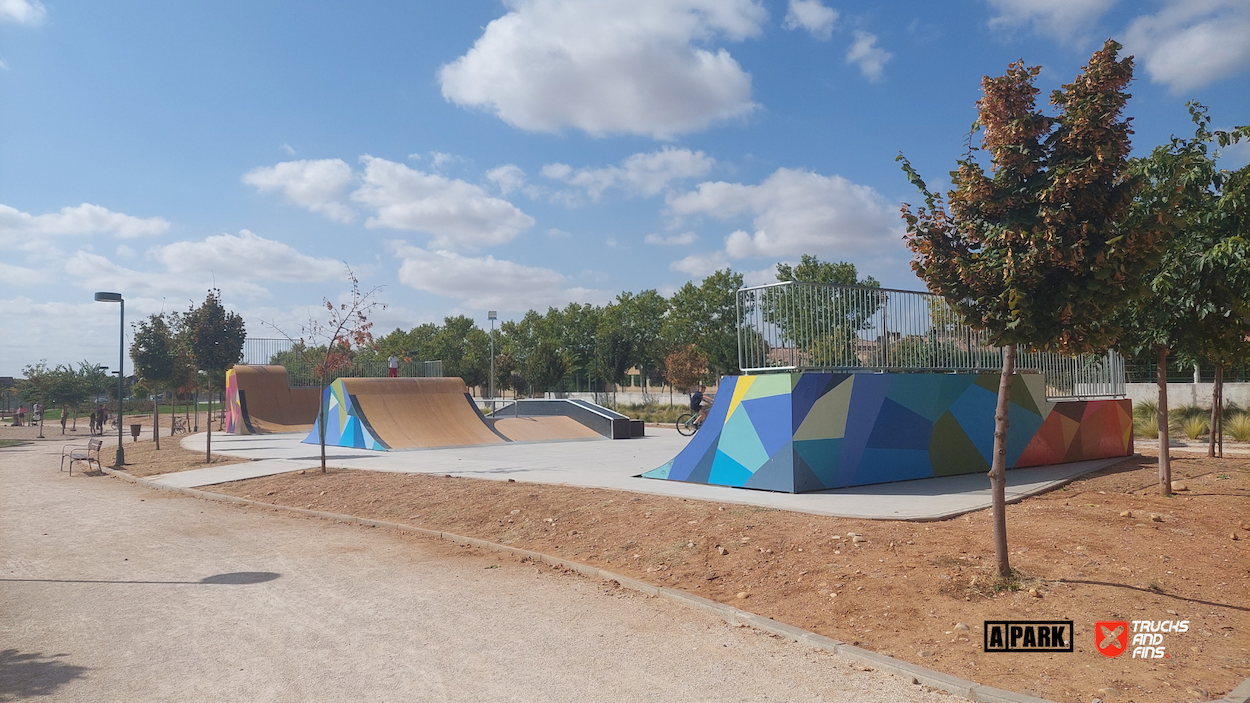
x=823 y=327
x=301 y=371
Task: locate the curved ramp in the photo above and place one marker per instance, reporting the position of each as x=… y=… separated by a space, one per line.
x=598 y=419
x=259 y=400
x=542 y=429
x=402 y=413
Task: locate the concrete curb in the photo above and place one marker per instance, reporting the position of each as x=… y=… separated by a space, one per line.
x=735 y=616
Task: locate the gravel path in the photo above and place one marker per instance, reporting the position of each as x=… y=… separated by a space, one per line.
x=114 y=592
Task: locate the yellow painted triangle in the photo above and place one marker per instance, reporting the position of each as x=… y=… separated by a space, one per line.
x=740 y=390
x=1070 y=427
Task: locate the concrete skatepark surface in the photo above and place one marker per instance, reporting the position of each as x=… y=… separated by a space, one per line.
x=616 y=465
x=115 y=592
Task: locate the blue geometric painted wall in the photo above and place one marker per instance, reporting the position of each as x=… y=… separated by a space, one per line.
x=812 y=431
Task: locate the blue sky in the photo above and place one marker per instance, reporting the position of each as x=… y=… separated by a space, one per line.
x=484 y=155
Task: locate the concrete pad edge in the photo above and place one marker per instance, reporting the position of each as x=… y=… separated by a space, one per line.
x=928 y=677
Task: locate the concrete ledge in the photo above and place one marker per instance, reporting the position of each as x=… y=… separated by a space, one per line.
x=928 y=677
x=1241 y=694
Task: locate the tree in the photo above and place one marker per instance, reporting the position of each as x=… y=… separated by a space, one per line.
x=1193 y=308
x=36 y=387
x=216 y=343
x=841 y=312
x=706 y=316
x=687 y=367
x=1040 y=251
x=347 y=328
x=154 y=355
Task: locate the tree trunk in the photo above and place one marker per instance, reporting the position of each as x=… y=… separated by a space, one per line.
x=1165 y=459
x=208 y=447
x=156 y=419
x=172 y=407
x=998 y=469
x=1217 y=414
x=322 y=424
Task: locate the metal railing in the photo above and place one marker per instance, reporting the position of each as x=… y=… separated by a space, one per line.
x=796 y=326
x=302 y=373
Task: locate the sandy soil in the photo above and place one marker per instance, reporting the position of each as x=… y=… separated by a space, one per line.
x=143 y=458
x=906 y=590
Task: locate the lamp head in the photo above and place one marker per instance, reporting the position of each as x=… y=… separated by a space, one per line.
x=103 y=297
x=491 y=315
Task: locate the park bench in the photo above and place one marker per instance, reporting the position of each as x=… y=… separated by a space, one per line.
x=80 y=454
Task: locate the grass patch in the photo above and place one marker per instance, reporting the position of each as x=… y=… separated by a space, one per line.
x=10 y=443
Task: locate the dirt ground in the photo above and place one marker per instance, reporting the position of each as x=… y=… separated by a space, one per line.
x=907 y=590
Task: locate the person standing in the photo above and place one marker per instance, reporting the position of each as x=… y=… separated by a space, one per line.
x=103 y=417
x=93 y=420
x=21 y=415
x=392 y=365
x=64 y=417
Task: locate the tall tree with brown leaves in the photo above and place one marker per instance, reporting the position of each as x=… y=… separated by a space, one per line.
x=1038 y=252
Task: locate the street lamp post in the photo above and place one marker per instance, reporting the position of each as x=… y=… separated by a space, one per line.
x=121 y=377
x=491 y=315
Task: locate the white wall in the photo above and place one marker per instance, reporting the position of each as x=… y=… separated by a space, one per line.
x=1182 y=394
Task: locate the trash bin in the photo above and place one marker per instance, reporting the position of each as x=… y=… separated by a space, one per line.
x=134 y=431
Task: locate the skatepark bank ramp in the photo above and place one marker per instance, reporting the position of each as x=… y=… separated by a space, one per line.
x=604 y=421
x=259 y=400
x=413 y=413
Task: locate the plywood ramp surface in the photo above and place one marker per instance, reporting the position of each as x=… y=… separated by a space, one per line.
x=272 y=405
x=420 y=412
x=536 y=429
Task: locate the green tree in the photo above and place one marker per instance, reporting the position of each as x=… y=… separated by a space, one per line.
x=1040 y=251
x=706 y=316
x=155 y=358
x=827 y=330
x=216 y=339
x=1195 y=296
x=36 y=386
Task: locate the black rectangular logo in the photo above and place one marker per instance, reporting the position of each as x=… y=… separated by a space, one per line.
x=1028 y=635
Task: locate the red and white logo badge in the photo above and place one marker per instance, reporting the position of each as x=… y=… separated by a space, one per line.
x=1111 y=637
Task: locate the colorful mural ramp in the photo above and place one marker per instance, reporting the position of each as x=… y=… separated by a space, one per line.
x=259 y=400
x=800 y=432
x=419 y=413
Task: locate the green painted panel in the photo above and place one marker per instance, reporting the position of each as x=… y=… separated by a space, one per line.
x=827 y=418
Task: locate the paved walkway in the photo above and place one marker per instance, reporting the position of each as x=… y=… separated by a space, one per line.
x=111 y=592
x=616 y=464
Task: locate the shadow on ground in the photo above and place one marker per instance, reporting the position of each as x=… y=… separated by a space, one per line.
x=25 y=675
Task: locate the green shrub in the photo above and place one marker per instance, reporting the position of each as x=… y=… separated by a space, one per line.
x=1238 y=426
x=1185 y=413
x=1146 y=409
x=1147 y=428
x=1195 y=427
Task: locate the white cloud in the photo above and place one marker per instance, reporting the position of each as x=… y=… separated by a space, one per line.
x=1192 y=43
x=616 y=66
x=683 y=239
x=640 y=174
x=19 y=229
x=247 y=256
x=1068 y=21
x=317 y=185
x=700 y=265
x=487 y=282
x=20 y=276
x=290 y=150
x=508 y=177
x=27 y=12
x=4 y=65
x=91 y=271
x=870 y=58
x=811 y=15
x=798 y=212
x=459 y=215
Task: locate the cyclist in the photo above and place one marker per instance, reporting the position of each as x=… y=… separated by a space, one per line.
x=700 y=404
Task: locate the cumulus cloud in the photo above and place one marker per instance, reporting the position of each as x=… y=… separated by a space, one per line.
x=20 y=276
x=683 y=239
x=91 y=271
x=317 y=185
x=797 y=212
x=17 y=228
x=27 y=12
x=640 y=174
x=700 y=265
x=487 y=282
x=459 y=215
x=247 y=256
x=1192 y=43
x=617 y=66
x=870 y=58
x=508 y=177
x=811 y=15
x=1065 y=20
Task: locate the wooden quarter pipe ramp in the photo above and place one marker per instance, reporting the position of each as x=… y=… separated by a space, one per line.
x=259 y=400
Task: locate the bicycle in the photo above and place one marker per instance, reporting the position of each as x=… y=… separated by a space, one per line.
x=688 y=424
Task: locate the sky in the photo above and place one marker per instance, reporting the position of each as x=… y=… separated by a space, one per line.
x=485 y=155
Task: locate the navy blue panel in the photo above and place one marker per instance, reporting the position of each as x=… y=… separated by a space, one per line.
x=898 y=427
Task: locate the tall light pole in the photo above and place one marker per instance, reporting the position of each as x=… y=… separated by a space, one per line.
x=121 y=377
x=491 y=315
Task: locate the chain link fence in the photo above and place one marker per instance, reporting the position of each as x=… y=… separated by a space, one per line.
x=796 y=326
